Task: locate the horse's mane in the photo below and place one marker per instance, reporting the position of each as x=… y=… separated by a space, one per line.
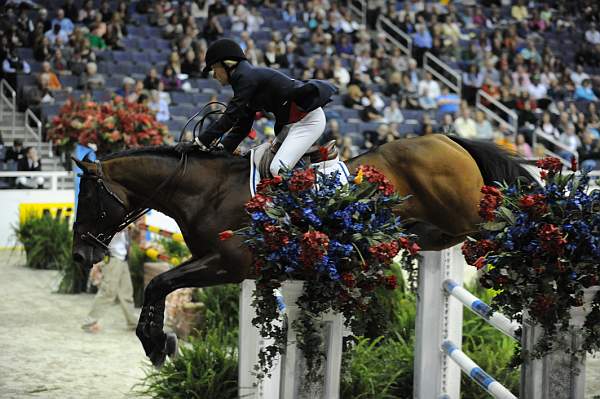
x=168 y=151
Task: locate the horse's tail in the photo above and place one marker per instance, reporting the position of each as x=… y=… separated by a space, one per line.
x=495 y=164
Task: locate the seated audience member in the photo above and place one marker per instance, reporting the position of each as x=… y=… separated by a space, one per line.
x=589 y=152
x=585 y=91
x=447 y=126
x=332 y=133
x=137 y=92
x=91 y=79
x=15 y=153
x=12 y=65
x=484 y=128
x=570 y=140
x=47 y=73
x=56 y=33
x=159 y=105
x=465 y=126
x=30 y=163
x=392 y=113
x=448 y=103
x=127 y=88
x=170 y=79
x=65 y=23
x=352 y=98
x=409 y=97
x=428 y=91
x=151 y=80
x=523 y=148
x=38 y=95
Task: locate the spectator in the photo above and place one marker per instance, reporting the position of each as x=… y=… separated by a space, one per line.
x=465 y=126
x=536 y=89
x=138 y=91
x=519 y=11
x=115 y=32
x=589 y=152
x=159 y=105
x=38 y=95
x=57 y=32
x=483 y=127
x=91 y=79
x=71 y=10
x=151 y=80
x=96 y=36
x=127 y=88
x=394 y=85
x=77 y=64
x=347 y=149
x=59 y=64
x=15 y=153
x=409 y=96
x=42 y=49
x=191 y=65
x=352 y=99
x=170 y=79
x=422 y=42
x=212 y=29
x=585 y=91
x=30 y=163
x=546 y=126
x=392 y=113
x=570 y=141
x=428 y=91
x=47 y=73
x=13 y=65
x=372 y=107
x=447 y=103
x=105 y=11
x=333 y=133
x=447 y=126
x=592 y=35
x=270 y=55
x=578 y=76
x=66 y=25
x=523 y=148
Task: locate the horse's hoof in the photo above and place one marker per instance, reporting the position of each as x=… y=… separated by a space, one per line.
x=158 y=358
x=171 y=345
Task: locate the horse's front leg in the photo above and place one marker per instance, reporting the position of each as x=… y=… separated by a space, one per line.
x=203 y=272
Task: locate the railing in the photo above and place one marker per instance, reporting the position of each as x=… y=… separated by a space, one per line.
x=400 y=39
x=359 y=9
x=10 y=101
x=54 y=176
x=37 y=131
x=430 y=60
x=513 y=119
x=555 y=143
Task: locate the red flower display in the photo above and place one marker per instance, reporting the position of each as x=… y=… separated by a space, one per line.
x=264 y=183
x=302 y=180
x=551 y=238
x=385 y=252
x=374 y=176
x=112 y=126
x=313 y=247
x=474 y=250
x=412 y=247
x=257 y=203
x=492 y=199
x=225 y=235
x=534 y=203
x=551 y=164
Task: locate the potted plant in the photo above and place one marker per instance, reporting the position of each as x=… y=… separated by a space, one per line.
x=539 y=248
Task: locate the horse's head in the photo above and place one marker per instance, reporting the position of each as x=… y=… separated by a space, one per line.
x=100 y=212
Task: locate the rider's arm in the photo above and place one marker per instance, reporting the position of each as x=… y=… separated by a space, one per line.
x=235 y=118
x=238 y=133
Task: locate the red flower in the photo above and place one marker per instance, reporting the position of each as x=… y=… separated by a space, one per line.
x=349 y=280
x=225 y=235
x=385 y=252
x=257 y=203
x=264 y=183
x=374 y=176
x=543 y=175
x=313 y=246
x=391 y=282
x=492 y=199
x=574 y=164
x=551 y=239
x=411 y=247
x=551 y=164
x=534 y=203
x=324 y=153
x=302 y=180
x=475 y=250
x=480 y=262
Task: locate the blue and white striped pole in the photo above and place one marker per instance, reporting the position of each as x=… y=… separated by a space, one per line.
x=475 y=372
x=498 y=320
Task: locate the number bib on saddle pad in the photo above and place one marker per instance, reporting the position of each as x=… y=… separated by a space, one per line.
x=256 y=159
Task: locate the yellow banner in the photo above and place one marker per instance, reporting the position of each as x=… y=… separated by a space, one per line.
x=26 y=211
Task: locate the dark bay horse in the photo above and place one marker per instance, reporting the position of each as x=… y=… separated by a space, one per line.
x=443 y=176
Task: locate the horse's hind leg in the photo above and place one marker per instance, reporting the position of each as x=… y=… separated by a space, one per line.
x=201 y=272
x=431 y=238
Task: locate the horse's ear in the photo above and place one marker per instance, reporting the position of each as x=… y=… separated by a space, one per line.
x=81 y=164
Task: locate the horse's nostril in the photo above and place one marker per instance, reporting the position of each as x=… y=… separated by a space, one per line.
x=78 y=258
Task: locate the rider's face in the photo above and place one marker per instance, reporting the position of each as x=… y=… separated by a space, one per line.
x=220 y=74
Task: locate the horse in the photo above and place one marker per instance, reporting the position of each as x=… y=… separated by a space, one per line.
x=205 y=193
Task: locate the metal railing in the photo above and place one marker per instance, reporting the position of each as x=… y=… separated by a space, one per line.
x=557 y=144
x=54 y=177
x=359 y=9
x=430 y=61
x=513 y=119
x=34 y=132
x=8 y=96
x=396 y=36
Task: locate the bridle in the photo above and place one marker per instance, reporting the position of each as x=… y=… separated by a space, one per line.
x=101 y=240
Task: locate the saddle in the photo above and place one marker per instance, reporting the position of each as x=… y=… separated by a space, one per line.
x=315 y=154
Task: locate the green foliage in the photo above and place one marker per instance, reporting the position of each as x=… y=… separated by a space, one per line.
x=206 y=368
x=136 y=260
x=48 y=241
x=174 y=248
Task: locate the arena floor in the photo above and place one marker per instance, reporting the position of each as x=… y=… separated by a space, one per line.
x=45 y=354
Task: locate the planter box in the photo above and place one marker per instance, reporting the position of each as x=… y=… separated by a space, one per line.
x=287 y=378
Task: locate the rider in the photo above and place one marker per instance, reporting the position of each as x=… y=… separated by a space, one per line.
x=295 y=104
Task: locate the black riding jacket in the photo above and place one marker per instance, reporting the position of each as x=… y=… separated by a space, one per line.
x=268 y=90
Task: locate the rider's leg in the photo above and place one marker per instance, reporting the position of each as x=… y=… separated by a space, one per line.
x=301 y=136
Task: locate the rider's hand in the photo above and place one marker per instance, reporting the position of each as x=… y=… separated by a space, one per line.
x=184 y=147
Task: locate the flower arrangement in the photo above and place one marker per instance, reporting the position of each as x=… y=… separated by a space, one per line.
x=540 y=248
x=112 y=126
x=340 y=240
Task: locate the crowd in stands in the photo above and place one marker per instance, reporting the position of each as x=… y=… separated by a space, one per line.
x=153 y=52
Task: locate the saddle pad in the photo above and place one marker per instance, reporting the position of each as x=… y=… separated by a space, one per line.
x=326 y=167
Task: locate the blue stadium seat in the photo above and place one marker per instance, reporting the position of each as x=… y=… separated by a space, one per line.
x=180 y=97
x=50 y=110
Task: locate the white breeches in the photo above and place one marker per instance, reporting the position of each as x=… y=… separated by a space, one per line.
x=301 y=136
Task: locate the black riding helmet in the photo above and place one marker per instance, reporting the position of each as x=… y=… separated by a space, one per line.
x=221 y=50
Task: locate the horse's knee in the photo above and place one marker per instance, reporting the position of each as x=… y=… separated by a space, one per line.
x=157 y=289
